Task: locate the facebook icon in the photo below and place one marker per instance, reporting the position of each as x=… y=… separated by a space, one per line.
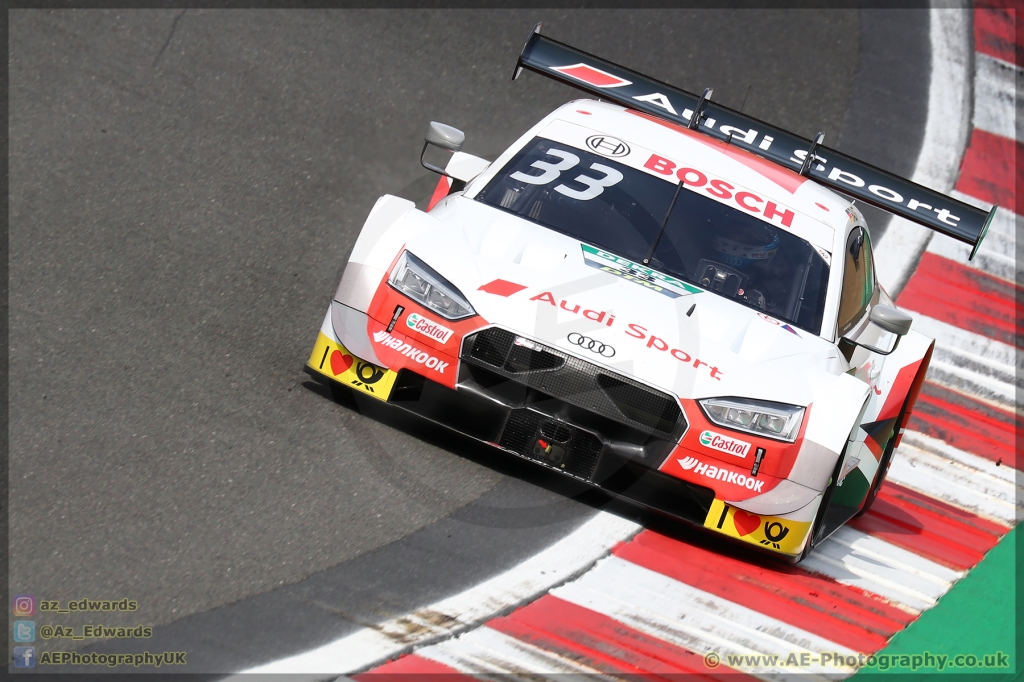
x=24 y=657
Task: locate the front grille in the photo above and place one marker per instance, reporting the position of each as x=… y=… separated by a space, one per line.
x=499 y=349
x=523 y=359
x=573 y=450
x=643 y=405
x=492 y=348
x=576 y=381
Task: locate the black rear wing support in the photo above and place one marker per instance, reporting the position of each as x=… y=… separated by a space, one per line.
x=825 y=166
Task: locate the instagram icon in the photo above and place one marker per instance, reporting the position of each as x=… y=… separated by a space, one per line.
x=24 y=605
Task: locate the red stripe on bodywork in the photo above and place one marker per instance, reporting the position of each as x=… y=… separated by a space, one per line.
x=602 y=643
x=966 y=298
x=411 y=667
x=969 y=424
x=898 y=393
x=915 y=392
x=944 y=538
x=843 y=614
x=440 y=192
x=989 y=170
x=995 y=33
x=501 y=287
x=783 y=177
x=384 y=304
x=778 y=460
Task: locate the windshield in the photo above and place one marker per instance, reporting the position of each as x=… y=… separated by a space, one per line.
x=686 y=234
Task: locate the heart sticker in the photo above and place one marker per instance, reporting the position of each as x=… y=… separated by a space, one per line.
x=339 y=362
x=746 y=523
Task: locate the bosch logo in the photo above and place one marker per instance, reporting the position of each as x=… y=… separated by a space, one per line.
x=608 y=146
x=593 y=345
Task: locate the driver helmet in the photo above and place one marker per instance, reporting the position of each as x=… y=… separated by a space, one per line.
x=746 y=244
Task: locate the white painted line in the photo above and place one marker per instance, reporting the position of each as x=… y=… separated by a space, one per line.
x=993 y=387
x=520 y=584
x=988 y=261
x=996 y=84
x=959 y=457
x=691 y=618
x=973 y=201
x=488 y=652
x=965 y=481
x=905 y=579
x=982 y=378
x=967 y=342
x=945 y=138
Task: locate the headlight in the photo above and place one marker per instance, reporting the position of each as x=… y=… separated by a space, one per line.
x=772 y=420
x=418 y=281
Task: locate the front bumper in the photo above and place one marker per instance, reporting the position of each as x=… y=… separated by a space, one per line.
x=521 y=417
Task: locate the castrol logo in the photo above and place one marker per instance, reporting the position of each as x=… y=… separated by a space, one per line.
x=717 y=441
x=428 y=327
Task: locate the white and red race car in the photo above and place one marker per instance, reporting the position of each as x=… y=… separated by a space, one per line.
x=655 y=295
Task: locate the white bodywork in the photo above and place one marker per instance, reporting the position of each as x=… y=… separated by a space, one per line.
x=719 y=348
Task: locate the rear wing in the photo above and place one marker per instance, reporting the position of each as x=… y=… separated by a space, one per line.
x=828 y=167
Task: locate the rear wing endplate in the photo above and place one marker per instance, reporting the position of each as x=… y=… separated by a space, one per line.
x=828 y=167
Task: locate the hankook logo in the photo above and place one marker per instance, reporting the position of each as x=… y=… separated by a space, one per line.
x=593 y=345
x=608 y=146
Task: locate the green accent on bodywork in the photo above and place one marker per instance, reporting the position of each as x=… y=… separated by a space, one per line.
x=641 y=274
x=853 y=490
x=984 y=231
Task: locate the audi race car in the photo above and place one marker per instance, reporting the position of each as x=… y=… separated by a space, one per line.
x=654 y=294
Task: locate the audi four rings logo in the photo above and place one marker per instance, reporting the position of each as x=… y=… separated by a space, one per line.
x=602 y=349
x=609 y=146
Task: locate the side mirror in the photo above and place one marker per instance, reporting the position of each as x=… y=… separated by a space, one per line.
x=889 y=319
x=444 y=137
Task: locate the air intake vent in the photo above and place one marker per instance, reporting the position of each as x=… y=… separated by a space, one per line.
x=492 y=347
x=552 y=442
x=500 y=348
x=656 y=411
x=523 y=359
x=576 y=381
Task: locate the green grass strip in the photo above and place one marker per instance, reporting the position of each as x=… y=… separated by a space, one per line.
x=976 y=620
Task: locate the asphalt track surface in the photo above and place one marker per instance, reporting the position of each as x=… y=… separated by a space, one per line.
x=185 y=187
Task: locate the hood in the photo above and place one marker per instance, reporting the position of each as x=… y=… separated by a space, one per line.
x=606 y=310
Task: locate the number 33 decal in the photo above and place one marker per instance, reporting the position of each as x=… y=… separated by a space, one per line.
x=568 y=160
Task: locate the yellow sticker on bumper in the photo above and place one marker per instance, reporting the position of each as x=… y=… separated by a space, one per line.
x=335 y=361
x=771 y=532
